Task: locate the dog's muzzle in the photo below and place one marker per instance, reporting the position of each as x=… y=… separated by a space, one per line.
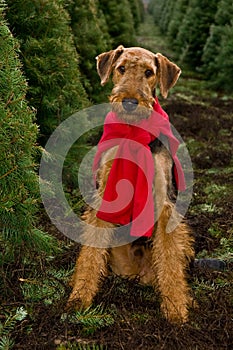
x=129 y=104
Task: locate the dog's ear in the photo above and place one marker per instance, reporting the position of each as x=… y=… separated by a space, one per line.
x=168 y=73
x=105 y=63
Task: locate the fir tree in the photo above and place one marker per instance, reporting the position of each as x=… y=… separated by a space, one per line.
x=18 y=134
x=179 y=10
x=194 y=30
x=215 y=53
x=91 y=38
x=120 y=22
x=224 y=66
x=166 y=15
x=155 y=8
x=142 y=10
x=137 y=10
x=50 y=60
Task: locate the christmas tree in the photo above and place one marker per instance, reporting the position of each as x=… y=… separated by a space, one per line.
x=19 y=188
x=50 y=60
x=91 y=38
x=120 y=21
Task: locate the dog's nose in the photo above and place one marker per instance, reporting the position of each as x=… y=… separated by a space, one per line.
x=130 y=104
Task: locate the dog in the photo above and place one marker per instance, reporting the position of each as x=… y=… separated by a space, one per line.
x=162 y=259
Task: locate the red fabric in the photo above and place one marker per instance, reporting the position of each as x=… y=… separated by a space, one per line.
x=122 y=202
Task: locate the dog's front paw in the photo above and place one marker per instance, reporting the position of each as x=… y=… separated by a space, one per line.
x=79 y=299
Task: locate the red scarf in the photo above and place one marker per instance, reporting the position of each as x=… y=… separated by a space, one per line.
x=123 y=202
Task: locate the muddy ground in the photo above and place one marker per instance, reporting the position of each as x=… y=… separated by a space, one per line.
x=129 y=316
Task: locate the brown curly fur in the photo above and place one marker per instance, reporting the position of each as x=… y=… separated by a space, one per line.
x=163 y=260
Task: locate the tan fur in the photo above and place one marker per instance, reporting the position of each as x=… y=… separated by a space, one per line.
x=133 y=261
x=162 y=262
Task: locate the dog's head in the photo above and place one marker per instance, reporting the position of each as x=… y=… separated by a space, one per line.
x=136 y=73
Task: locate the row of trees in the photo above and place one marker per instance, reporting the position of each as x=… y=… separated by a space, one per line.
x=201 y=34
x=47 y=72
x=19 y=190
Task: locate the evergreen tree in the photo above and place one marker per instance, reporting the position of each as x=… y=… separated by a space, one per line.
x=179 y=10
x=194 y=30
x=49 y=58
x=217 y=45
x=18 y=181
x=166 y=15
x=142 y=10
x=120 y=21
x=137 y=10
x=224 y=65
x=91 y=38
x=155 y=8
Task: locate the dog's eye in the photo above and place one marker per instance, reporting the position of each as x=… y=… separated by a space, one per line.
x=149 y=73
x=121 y=69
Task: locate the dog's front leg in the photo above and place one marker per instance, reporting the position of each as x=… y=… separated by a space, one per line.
x=171 y=254
x=91 y=265
x=90 y=269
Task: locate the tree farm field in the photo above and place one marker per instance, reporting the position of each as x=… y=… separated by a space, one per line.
x=126 y=315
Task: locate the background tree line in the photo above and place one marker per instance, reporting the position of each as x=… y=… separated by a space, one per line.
x=201 y=34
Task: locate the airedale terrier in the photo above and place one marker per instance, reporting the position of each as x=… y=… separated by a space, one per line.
x=158 y=258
